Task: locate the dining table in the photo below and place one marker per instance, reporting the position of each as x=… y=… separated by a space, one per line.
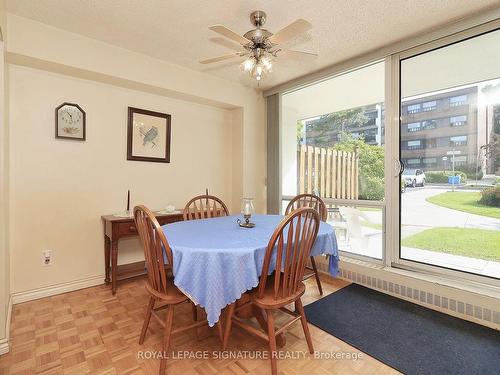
x=215 y=261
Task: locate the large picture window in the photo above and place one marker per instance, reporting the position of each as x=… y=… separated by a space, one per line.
x=346 y=138
x=451 y=222
x=333 y=143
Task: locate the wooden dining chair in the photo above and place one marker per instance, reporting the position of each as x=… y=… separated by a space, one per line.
x=313 y=201
x=204 y=207
x=160 y=285
x=290 y=246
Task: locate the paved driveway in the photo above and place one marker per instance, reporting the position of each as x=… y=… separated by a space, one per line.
x=417 y=212
x=418 y=215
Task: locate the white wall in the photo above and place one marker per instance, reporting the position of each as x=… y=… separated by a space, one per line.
x=290 y=116
x=35 y=44
x=59 y=189
x=4 y=243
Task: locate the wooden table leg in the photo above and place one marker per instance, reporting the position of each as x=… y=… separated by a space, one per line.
x=107 y=256
x=114 y=264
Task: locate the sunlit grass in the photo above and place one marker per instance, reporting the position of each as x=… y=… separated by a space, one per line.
x=474 y=243
x=466 y=202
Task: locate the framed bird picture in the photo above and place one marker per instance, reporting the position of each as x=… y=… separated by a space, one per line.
x=70 y=122
x=148 y=136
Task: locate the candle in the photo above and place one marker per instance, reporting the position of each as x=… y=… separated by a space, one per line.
x=128 y=200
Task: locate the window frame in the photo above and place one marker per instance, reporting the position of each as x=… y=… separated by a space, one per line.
x=394 y=202
x=462 y=142
x=454 y=104
x=414 y=128
x=381 y=204
x=417 y=106
x=427 y=108
x=448 y=34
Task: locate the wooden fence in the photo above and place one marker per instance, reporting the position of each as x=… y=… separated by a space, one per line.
x=333 y=174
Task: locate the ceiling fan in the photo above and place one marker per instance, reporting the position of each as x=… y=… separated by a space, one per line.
x=259 y=45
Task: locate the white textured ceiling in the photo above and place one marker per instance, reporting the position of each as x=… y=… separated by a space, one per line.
x=177 y=30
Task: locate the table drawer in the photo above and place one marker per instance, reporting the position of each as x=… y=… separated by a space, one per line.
x=127 y=229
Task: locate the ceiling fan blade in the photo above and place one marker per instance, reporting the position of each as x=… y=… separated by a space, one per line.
x=293 y=53
x=220 y=58
x=223 y=30
x=295 y=28
x=226 y=43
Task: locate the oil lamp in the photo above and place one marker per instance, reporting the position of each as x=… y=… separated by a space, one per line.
x=246 y=210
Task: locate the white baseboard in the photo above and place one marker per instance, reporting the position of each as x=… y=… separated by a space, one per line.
x=4 y=347
x=5 y=343
x=52 y=290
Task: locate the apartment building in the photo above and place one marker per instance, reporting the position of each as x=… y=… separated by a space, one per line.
x=433 y=125
x=365 y=122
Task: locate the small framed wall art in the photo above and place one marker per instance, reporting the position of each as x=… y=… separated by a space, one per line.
x=148 y=136
x=70 y=122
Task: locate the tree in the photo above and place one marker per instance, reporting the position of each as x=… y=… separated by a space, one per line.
x=300 y=132
x=320 y=132
x=371 y=166
x=492 y=149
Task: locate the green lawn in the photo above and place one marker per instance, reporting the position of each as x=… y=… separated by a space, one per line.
x=474 y=243
x=465 y=201
x=369 y=208
x=371 y=225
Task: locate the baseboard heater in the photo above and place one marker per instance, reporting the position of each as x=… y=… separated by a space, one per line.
x=487 y=316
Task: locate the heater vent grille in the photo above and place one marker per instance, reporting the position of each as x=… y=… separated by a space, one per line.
x=423 y=297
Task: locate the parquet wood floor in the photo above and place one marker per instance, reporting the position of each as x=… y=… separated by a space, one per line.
x=92 y=332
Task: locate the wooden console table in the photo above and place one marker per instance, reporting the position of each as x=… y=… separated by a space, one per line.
x=116 y=228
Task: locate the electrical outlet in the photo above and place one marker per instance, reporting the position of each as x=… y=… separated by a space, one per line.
x=47 y=257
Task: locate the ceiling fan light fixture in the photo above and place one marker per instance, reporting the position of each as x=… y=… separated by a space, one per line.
x=266 y=61
x=261 y=66
x=260 y=45
x=249 y=64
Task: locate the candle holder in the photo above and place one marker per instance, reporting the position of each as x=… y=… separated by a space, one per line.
x=246 y=210
x=246 y=223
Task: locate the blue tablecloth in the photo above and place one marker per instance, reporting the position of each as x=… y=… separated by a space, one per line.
x=216 y=261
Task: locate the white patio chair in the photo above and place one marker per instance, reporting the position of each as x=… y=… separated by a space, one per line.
x=353 y=216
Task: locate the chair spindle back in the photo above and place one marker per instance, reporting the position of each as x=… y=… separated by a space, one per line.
x=155 y=246
x=308 y=200
x=204 y=207
x=292 y=242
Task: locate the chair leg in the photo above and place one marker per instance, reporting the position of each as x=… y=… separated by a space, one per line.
x=227 y=329
x=272 y=341
x=145 y=325
x=316 y=275
x=195 y=318
x=166 y=338
x=305 y=327
x=219 y=332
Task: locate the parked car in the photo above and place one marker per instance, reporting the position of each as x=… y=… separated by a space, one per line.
x=414 y=177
